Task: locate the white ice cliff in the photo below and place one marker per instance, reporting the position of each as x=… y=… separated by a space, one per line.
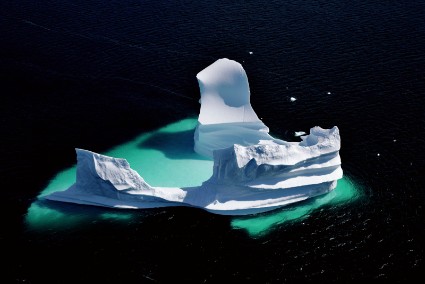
x=253 y=172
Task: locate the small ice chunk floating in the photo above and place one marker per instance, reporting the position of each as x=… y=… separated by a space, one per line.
x=252 y=173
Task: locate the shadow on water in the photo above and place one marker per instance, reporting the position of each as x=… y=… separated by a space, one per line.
x=165 y=157
x=174 y=145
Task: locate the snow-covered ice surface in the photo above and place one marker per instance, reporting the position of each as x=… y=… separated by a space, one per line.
x=253 y=172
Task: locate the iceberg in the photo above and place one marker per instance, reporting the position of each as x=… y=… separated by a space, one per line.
x=253 y=172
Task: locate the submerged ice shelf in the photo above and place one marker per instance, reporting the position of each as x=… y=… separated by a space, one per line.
x=171 y=147
x=252 y=171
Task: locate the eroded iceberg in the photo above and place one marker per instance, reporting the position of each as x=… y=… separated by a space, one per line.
x=253 y=172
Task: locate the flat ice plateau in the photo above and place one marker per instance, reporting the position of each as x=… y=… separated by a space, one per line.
x=252 y=173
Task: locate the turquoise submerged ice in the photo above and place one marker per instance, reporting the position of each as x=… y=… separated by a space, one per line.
x=252 y=171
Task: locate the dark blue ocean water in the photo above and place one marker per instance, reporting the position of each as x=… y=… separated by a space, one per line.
x=94 y=74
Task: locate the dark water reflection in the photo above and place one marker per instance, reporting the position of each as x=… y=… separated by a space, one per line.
x=97 y=74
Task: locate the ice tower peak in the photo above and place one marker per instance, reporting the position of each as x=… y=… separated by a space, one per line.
x=225 y=95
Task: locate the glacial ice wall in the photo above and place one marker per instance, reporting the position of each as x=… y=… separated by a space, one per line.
x=313 y=161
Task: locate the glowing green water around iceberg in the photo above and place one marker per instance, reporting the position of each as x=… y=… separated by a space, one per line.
x=345 y=191
x=165 y=158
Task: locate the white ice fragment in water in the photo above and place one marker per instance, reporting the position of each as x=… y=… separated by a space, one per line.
x=251 y=52
x=299 y=133
x=328 y=93
x=292 y=99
